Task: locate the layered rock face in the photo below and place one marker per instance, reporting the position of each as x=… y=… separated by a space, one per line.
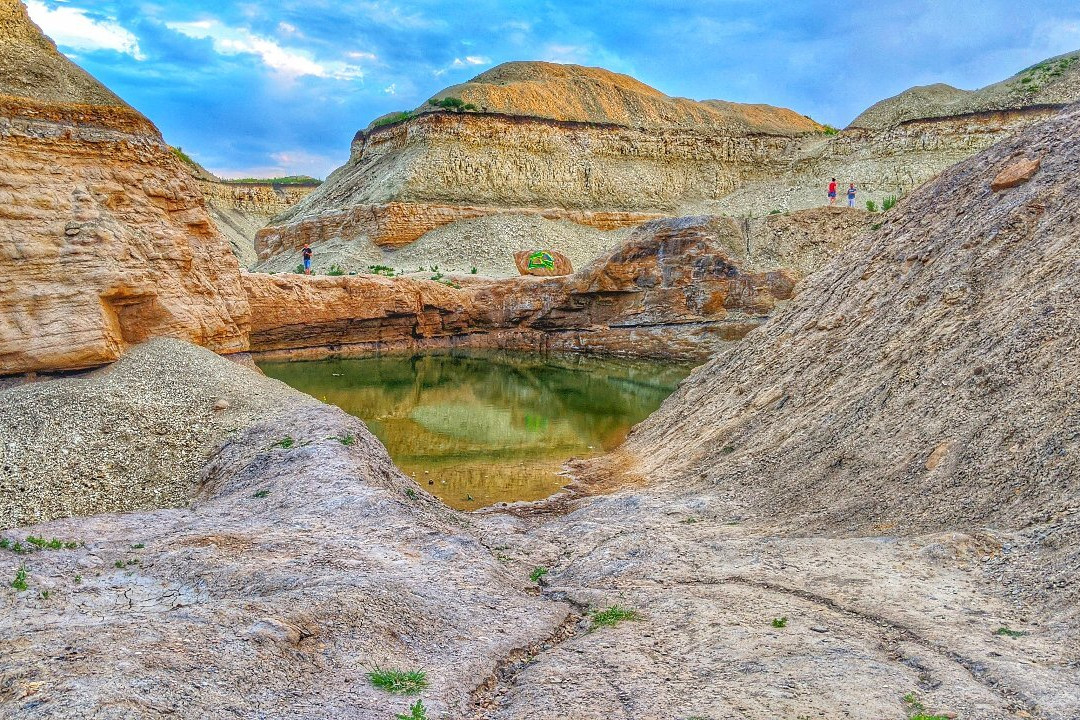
x=240 y=210
x=902 y=142
x=565 y=142
x=104 y=238
x=678 y=288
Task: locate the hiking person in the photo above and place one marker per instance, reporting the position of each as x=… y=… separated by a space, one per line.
x=307 y=259
x=851 y=195
x=832 y=192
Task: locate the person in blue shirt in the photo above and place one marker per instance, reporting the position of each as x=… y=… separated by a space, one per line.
x=851 y=195
x=307 y=259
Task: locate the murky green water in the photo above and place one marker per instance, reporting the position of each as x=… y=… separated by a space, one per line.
x=482 y=428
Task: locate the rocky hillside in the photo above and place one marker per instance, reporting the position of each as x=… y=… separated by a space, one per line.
x=561 y=141
x=104 y=237
x=904 y=141
x=924 y=378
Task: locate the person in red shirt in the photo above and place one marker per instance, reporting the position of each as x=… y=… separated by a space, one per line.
x=832 y=192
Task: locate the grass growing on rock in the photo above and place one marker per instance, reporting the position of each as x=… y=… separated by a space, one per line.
x=1006 y=631
x=417 y=711
x=612 y=617
x=284 y=443
x=400 y=682
x=538 y=573
x=780 y=622
x=19 y=583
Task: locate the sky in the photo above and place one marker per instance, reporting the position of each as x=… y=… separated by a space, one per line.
x=279 y=87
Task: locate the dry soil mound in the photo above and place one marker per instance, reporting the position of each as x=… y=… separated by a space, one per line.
x=596 y=95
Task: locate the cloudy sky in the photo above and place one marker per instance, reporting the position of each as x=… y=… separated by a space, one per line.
x=271 y=87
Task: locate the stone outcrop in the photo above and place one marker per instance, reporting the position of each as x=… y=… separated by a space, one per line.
x=104 y=238
x=566 y=142
x=679 y=288
x=543 y=263
x=240 y=210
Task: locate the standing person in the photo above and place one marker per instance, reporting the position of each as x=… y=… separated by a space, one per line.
x=832 y=192
x=307 y=259
x=851 y=195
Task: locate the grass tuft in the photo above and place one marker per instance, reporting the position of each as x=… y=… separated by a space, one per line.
x=417 y=711
x=612 y=616
x=538 y=573
x=1005 y=631
x=400 y=682
x=285 y=443
x=260 y=494
x=780 y=622
x=19 y=583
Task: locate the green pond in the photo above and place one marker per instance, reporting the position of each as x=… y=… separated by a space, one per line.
x=482 y=428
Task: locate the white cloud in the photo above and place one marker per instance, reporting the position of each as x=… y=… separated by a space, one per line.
x=470 y=60
x=289 y=62
x=289 y=162
x=72 y=28
x=390 y=89
x=286 y=28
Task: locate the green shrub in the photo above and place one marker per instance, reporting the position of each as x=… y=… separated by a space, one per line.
x=1005 y=631
x=775 y=212
x=538 y=573
x=416 y=712
x=19 y=583
x=780 y=622
x=383 y=270
x=472 y=270
x=393 y=119
x=178 y=152
x=284 y=443
x=299 y=269
x=888 y=203
x=830 y=130
x=871 y=206
x=612 y=617
x=401 y=682
x=335 y=270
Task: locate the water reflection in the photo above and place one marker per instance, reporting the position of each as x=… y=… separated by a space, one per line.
x=481 y=428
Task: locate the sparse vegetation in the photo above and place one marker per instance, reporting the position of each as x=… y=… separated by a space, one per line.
x=260 y=494
x=335 y=270
x=19 y=583
x=346 y=440
x=286 y=180
x=400 y=682
x=393 y=119
x=472 y=270
x=42 y=544
x=437 y=276
x=780 y=622
x=411 y=494
x=888 y=203
x=871 y=206
x=775 y=211
x=416 y=712
x=1033 y=79
x=284 y=443
x=1005 y=631
x=690 y=520
x=299 y=269
x=538 y=573
x=875 y=226
x=184 y=157
x=383 y=270
x=44 y=594
x=138 y=546
x=452 y=103
x=917 y=711
x=830 y=130
x=727 y=449
x=612 y=617
x=78 y=579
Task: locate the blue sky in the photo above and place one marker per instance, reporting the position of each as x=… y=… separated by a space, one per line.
x=280 y=86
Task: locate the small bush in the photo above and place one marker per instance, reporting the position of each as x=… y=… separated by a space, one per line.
x=138 y=546
x=416 y=712
x=400 y=682
x=780 y=622
x=775 y=212
x=452 y=103
x=888 y=203
x=411 y=494
x=612 y=617
x=830 y=130
x=19 y=583
x=1005 y=631
x=871 y=206
x=346 y=440
x=875 y=226
x=260 y=494
x=178 y=152
x=393 y=119
x=299 y=269
x=472 y=271
x=538 y=573
x=383 y=270
x=335 y=270
x=437 y=276
x=284 y=443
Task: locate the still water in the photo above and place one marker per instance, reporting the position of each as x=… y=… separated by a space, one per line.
x=481 y=428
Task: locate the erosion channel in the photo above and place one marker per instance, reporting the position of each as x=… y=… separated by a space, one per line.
x=483 y=428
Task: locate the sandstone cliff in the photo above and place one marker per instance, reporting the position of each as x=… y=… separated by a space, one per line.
x=564 y=142
x=104 y=237
x=680 y=288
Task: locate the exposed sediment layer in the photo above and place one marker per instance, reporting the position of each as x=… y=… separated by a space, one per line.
x=240 y=210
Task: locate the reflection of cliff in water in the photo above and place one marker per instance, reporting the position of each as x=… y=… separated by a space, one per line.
x=487 y=425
